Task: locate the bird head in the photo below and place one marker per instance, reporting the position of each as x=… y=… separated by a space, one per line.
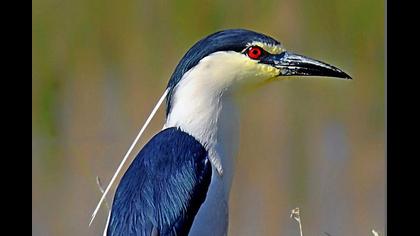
x=233 y=57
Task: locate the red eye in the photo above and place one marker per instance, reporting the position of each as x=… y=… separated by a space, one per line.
x=254 y=52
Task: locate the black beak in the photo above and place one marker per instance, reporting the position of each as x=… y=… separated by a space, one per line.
x=291 y=64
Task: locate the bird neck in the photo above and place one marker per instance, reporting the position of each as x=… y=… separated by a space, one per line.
x=212 y=117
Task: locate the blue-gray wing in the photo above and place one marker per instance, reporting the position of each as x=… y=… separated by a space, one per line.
x=163 y=188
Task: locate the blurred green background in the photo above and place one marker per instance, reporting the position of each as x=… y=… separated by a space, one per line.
x=99 y=67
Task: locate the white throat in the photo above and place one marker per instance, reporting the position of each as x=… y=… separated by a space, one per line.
x=204 y=106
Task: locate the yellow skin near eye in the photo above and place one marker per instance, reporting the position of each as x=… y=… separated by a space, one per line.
x=272 y=49
x=267 y=70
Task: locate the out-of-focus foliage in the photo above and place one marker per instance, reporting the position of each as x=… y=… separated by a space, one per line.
x=99 y=66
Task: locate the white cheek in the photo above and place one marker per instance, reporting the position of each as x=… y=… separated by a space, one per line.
x=224 y=69
x=230 y=69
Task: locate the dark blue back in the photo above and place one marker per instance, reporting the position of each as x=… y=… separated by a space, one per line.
x=163 y=188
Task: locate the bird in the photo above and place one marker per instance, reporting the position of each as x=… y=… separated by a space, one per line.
x=179 y=182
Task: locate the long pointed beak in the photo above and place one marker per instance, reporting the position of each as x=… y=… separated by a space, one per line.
x=291 y=64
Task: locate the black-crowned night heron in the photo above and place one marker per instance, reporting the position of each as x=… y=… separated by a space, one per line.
x=179 y=183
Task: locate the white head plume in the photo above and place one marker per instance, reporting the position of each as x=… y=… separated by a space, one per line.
x=152 y=114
